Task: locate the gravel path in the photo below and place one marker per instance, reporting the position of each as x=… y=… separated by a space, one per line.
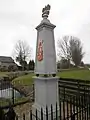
x=23 y=109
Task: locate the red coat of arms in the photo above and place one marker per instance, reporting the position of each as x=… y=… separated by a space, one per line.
x=40 y=51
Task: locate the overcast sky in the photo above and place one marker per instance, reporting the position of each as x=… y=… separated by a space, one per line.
x=18 y=19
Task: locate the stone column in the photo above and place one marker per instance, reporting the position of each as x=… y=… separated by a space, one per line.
x=45 y=81
x=45 y=35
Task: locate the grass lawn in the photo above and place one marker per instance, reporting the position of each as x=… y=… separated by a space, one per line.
x=5 y=102
x=3 y=73
x=24 y=80
x=75 y=74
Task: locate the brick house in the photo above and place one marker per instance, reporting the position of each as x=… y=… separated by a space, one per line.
x=7 y=63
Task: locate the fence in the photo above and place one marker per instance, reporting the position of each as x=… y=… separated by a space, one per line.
x=14 y=95
x=71 y=87
x=68 y=110
x=74 y=103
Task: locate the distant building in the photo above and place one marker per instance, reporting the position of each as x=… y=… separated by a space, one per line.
x=7 y=63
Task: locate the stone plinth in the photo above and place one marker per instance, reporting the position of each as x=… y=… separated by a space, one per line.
x=46 y=93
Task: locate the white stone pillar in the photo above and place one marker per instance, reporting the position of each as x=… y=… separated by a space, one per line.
x=46 y=88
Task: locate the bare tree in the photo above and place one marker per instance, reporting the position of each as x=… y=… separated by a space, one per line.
x=71 y=49
x=64 y=49
x=76 y=49
x=22 y=52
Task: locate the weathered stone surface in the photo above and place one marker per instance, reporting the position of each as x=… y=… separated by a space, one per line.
x=45 y=35
x=46 y=87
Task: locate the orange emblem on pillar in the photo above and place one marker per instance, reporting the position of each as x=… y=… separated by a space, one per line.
x=40 y=51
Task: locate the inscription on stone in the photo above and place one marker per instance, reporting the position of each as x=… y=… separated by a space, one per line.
x=40 y=51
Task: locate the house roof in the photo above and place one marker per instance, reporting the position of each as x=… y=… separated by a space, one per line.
x=5 y=59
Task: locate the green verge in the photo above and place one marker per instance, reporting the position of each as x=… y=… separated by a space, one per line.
x=75 y=74
x=3 y=74
x=24 y=80
x=5 y=102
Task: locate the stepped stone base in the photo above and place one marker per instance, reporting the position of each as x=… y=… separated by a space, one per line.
x=46 y=93
x=44 y=112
